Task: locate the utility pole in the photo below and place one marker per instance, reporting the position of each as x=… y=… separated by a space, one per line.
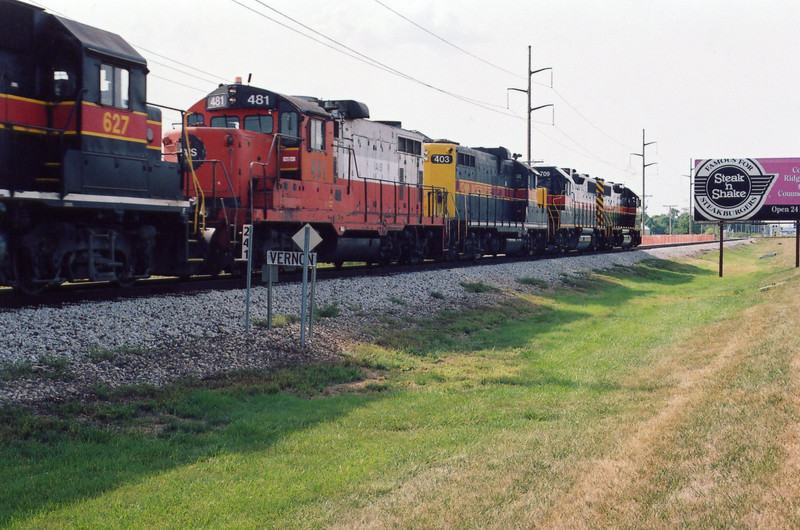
x=669 y=213
x=691 y=210
x=531 y=109
x=644 y=166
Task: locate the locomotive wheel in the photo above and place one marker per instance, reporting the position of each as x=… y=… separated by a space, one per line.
x=124 y=283
x=124 y=276
x=25 y=276
x=472 y=250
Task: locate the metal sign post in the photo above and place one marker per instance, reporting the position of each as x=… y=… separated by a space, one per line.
x=311 y=309
x=269 y=274
x=303 y=307
x=310 y=238
x=247 y=236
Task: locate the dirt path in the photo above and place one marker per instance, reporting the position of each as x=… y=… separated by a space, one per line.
x=625 y=485
x=611 y=491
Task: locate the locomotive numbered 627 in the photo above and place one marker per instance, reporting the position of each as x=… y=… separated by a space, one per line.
x=86 y=194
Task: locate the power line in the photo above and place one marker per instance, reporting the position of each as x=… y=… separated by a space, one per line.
x=216 y=78
x=570 y=105
x=344 y=49
x=152 y=61
x=176 y=82
x=448 y=42
x=587 y=120
x=394 y=71
x=584 y=152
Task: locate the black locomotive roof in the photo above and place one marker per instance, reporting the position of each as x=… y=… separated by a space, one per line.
x=102 y=42
x=242 y=96
x=306 y=105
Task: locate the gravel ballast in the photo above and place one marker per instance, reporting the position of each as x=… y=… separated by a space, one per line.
x=57 y=353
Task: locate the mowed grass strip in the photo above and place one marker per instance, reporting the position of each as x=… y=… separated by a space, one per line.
x=656 y=395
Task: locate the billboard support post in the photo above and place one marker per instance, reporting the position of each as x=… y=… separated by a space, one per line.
x=797 y=244
x=721 y=241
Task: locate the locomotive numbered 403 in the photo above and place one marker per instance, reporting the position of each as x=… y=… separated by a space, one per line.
x=86 y=194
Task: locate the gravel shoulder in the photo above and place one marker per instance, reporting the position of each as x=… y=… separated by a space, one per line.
x=65 y=353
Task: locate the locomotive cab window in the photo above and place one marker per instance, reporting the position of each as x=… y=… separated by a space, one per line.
x=225 y=122
x=259 y=123
x=195 y=120
x=289 y=129
x=114 y=86
x=316 y=133
x=64 y=84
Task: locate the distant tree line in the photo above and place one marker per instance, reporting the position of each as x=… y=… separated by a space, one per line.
x=660 y=224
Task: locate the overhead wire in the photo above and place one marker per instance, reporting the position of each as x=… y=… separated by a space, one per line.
x=151 y=74
x=350 y=52
x=355 y=54
x=570 y=105
x=448 y=42
x=153 y=61
x=216 y=77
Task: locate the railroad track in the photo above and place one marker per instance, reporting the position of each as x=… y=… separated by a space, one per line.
x=71 y=293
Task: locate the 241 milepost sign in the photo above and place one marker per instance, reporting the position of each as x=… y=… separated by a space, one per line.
x=753 y=189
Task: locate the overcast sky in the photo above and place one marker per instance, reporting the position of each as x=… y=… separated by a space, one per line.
x=704 y=78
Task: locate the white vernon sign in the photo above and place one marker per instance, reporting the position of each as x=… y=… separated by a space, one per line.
x=287 y=258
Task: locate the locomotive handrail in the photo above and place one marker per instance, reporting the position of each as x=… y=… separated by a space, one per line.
x=195 y=181
x=214 y=163
x=13 y=124
x=73 y=110
x=263 y=165
x=120 y=157
x=420 y=187
x=351 y=156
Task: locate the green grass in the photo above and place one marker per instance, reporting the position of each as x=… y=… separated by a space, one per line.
x=478 y=287
x=535 y=282
x=98 y=354
x=398 y=301
x=48 y=366
x=328 y=311
x=12 y=371
x=278 y=321
x=488 y=417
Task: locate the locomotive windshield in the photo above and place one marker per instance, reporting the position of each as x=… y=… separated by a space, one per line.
x=225 y=122
x=259 y=123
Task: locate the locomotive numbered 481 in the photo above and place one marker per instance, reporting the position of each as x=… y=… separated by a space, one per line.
x=86 y=193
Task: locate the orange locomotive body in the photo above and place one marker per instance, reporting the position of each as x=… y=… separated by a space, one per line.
x=278 y=162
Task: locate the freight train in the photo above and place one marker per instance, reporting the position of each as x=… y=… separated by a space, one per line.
x=90 y=189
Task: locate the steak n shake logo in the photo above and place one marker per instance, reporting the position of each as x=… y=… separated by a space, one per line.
x=731 y=188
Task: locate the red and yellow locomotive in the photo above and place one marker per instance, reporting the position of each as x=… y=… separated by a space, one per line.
x=281 y=161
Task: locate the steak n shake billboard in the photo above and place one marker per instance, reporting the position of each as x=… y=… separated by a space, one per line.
x=754 y=189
